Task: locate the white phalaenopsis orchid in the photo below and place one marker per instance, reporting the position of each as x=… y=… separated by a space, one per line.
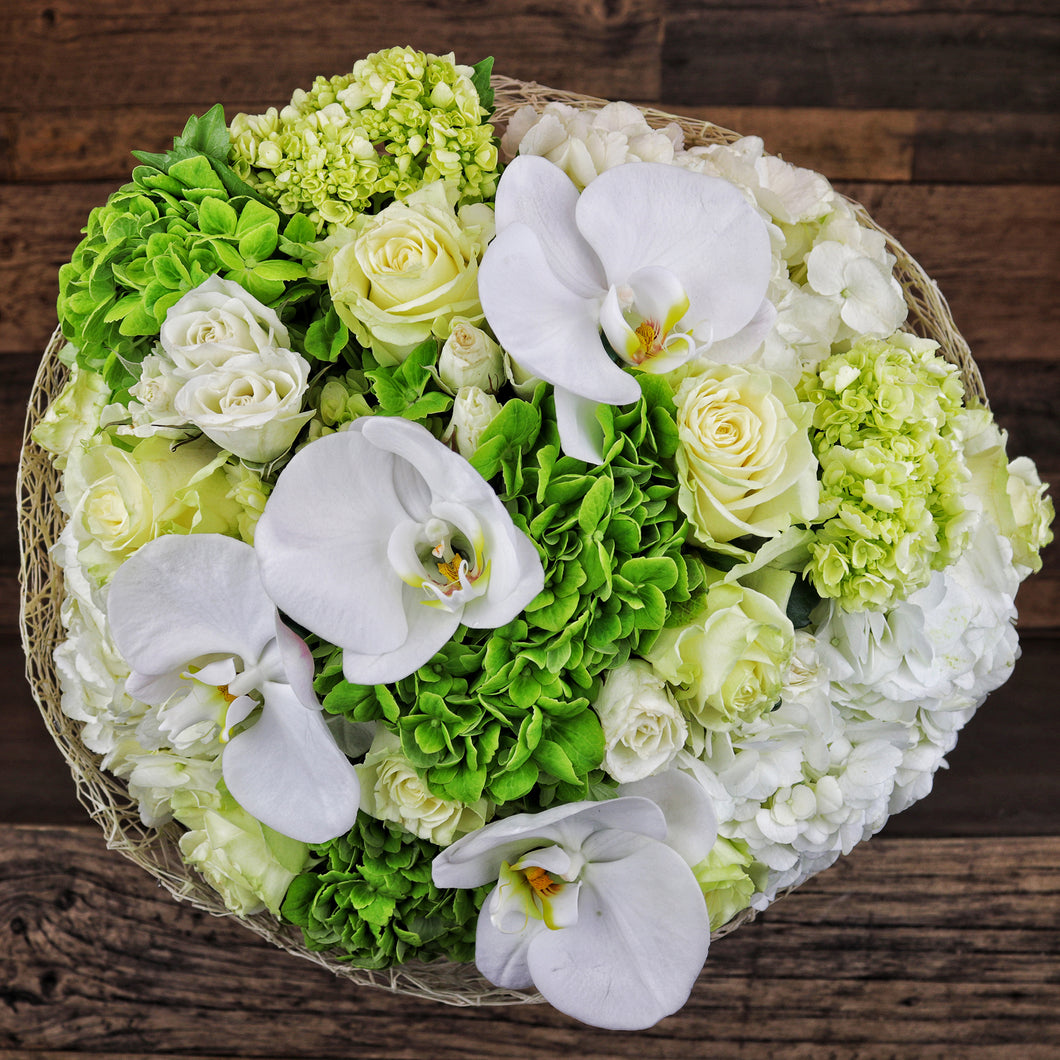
x=382 y=540
x=596 y=903
x=192 y=609
x=663 y=261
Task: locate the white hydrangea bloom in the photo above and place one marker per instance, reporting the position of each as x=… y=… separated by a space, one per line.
x=91 y=671
x=586 y=143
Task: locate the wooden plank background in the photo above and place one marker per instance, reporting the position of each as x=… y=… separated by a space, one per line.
x=938 y=939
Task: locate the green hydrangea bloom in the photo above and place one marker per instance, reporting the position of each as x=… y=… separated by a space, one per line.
x=891 y=470
x=401 y=119
x=156 y=238
x=373 y=901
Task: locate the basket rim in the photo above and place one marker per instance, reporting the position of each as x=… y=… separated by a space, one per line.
x=106 y=798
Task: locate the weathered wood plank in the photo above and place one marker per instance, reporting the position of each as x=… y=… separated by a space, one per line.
x=52 y=49
x=93 y=143
x=993 y=250
x=894 y=53
x=906 y=948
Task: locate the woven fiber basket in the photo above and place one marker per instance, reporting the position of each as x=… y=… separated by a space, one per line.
x=105 y=797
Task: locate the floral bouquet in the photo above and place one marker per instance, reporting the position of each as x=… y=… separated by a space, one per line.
x=539 y=564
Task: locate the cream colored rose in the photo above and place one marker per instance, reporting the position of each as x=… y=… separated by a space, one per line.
x=745 y=463
x=473 y=411
x=122 y=499
x=252 y=406
x=728 y=664
x=470 y=357
x=643 y=728
x=400 y=276
x=216 y=321
x=392 y=790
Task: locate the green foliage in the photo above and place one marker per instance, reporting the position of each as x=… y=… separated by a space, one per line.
x=481 y=80
x=400 y=389
x=205 y=136
x=156 y=238
x=373 y=900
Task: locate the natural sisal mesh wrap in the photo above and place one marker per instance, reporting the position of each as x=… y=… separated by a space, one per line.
x=106 y=798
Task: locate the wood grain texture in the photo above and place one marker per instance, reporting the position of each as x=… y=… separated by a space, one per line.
x=907 y=948
x=143 y=53
x=888 y=53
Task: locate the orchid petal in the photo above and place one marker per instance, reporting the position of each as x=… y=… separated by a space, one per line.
x=541 y=196
x=638 y=945
x=181 y=597
x=737 y=348
x=548 y=328
x=692 y=825
x=476 y=858
x=579 y=430
x=297 y=663
x=700 y=228
x=429 y=629
x=287 y=771
x=325 y=564
x=501 y=956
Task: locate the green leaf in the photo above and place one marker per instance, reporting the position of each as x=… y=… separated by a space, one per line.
x=326 y=337
x=279 y=270
x=259 y=243
x=197 y=175
x=480 y=78
x=660 y=571
x=593 y=512
x=514 y=783
x=217 y=218
x=553 y=759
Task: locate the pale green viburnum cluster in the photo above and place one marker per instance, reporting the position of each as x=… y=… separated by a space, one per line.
x=891 y=470
x=401 y=119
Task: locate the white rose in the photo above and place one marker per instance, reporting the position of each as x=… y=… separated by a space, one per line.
x=392 y=790
x=252 y=406
x=473 y=411
x=643 y=728
x=745 y=463
x=216 y=321
x=470 y=357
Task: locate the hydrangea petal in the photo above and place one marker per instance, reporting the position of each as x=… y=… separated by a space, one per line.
x=287 y=771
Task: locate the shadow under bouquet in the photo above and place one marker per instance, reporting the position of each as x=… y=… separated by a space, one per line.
x=538 y=553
